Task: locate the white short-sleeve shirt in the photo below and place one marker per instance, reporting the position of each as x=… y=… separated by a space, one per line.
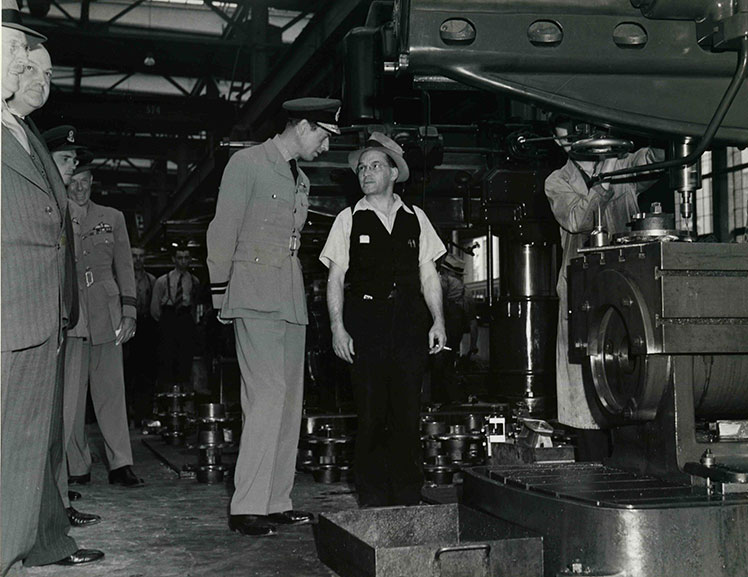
x=336 y=249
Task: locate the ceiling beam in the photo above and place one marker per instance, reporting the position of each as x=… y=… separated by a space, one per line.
x=325 y=29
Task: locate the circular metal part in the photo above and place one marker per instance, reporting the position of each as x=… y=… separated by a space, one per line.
x=210 y=437
x=628 y=381
x=210 y=455
x=211 y=411
x=430 y=426
x=474 y=422
x=600 y=146
x=431 y=447
x=210 y=474
x=326 y=473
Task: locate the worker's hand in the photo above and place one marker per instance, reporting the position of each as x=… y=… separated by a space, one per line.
x=342 y=344
x=126 y=330
x=437 y=338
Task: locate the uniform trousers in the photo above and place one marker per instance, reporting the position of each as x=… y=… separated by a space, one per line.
x=390 y=339
x=28 y=494
x=100 y=367
x=271 y=360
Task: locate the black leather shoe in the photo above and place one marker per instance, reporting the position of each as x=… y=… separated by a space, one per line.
x=290 y=518
x=125 y=477
x=74 y=496
x=78 y=519
x=79 y=479
x=253 y=525
x=81 y=556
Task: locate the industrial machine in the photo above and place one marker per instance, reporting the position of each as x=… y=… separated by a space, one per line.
x=660 y=324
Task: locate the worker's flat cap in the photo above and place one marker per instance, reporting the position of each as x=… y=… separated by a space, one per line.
x=324 y=112
x=61 y=138
x=12 y=19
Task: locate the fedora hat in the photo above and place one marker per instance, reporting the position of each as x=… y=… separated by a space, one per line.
x=382 y=143
x=12 y=19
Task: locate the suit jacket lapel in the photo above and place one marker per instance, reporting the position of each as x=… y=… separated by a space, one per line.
x=53 y=174
x=18 y=159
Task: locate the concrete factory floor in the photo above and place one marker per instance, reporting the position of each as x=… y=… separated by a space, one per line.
x=176 y=527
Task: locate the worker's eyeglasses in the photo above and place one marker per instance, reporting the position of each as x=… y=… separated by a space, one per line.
x=375 y=166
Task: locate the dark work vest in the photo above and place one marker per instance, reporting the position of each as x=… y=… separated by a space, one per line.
x=379 y=261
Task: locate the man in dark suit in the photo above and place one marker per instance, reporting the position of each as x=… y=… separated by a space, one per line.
x=32 y=94
x=93 y=357
x=32 y=517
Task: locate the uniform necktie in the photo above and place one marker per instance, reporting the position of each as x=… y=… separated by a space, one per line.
x=178 y=293
x=294 y=169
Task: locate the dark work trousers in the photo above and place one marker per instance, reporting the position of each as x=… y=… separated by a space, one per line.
x=176 y=347
x=141 y=365
x=390 y=340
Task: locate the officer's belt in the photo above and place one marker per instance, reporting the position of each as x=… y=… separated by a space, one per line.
x=97 y=274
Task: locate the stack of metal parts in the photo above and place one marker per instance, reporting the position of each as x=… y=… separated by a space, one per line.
x=211 y=441
x=175 y=409
x=456 y=438
x=326 y=446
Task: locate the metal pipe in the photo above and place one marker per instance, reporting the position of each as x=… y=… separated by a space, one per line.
x=719 y=115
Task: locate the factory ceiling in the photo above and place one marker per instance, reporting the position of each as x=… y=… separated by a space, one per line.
x=154 y=86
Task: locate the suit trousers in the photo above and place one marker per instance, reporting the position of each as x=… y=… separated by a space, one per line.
x=271 y=360
x=52 y=540
x=28 y=493
x=100 y=367
x=390 y=338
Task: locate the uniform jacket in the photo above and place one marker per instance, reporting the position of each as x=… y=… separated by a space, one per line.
x=33 y=245
x=254 y=237
x=106 y=278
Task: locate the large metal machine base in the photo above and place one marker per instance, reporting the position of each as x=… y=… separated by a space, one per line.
x=617 y=523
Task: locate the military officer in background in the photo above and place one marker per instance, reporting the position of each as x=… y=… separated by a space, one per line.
x=106 y=283
x=61 y=142
x=256 y=282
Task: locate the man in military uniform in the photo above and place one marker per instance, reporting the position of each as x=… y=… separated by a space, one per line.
x=386 y=251
x=61 y=142
x=256 y=282
x=106 y=284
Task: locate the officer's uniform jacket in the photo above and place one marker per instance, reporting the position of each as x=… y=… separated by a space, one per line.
x=106 y=278
x=33 y=245
x=254 y=238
